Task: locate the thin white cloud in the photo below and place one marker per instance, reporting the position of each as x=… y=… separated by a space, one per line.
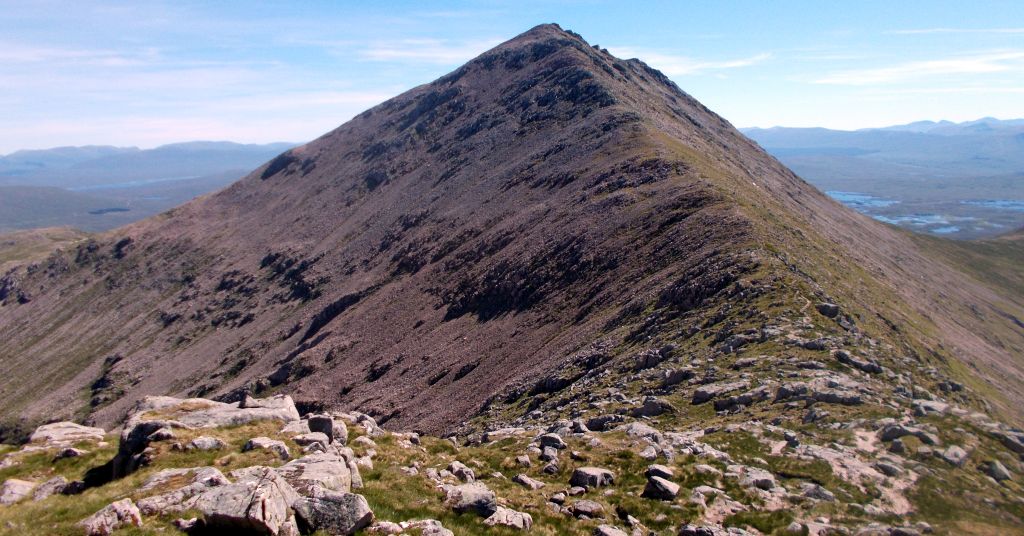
x=926 y=31
x=18 y=53
x=435 y=51
x=976 y=64
x=676 y=65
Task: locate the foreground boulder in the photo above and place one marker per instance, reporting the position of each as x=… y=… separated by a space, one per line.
x=336 y=513
x=473 y=497
x=259 y=504
x=112 y=517
x=64 y=434
x=154 y=413
x=14 y=490
x=510 y=518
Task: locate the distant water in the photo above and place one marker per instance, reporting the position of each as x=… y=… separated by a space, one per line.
x=914 y=219
x=860 y=201
x=129 y=184
x=946 y=230
x=1004 y=204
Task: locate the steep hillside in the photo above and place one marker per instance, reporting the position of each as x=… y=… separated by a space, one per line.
x=547 y=232
x=471 y=232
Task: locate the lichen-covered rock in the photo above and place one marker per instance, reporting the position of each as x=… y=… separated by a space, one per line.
x=333 y=512
x=112 y=517
x=586 y=508
x=715 y=390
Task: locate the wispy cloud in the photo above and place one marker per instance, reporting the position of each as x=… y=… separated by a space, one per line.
x=981 y=63
x=925 y=31
x=677 y=65
x=18 y=53
x=436 y=51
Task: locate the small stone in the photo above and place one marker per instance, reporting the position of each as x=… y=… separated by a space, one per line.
x=830 y=310
x=527 y=481
x=997 y=470
x=888 y=469
x=205 y=443
x=461 y=472
x=955 y=455
x=523 y=461
x=658 y=470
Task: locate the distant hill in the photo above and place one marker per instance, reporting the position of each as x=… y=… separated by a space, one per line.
x=959 y=179
x=96 y=188
x=77 y=167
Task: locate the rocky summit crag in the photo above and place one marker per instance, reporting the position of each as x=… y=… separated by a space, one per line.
x=627 y=318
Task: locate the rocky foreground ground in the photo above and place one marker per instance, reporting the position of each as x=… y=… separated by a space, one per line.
x=258 y=467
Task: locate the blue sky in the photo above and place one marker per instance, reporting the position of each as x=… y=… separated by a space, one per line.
x=148 y=73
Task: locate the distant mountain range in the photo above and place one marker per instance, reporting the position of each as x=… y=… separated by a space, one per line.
x=962 y=179
x=95 y=188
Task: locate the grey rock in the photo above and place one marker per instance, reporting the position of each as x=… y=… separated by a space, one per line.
x=310 y=438
x=317 y=471
x=552 y=440
x=997 y=470
x=745 y=399
x=676 y=376
x=861 y=364
x=830 y=310
x=112 y=517
x=528 y=482
x=602 y=422
x=816 y=492
x=205 y=443
x=662 y=471
x=507 y=517
x=709 y=392
x=65 y=433
x=333 y=512
x=660 y=489
x=587 y=508
x=609 y=530
x=652 y=407
x=474 y=497
x=461 y=472
x=888 y=469
x=53 y=486
x=591 y=477
x=259 y=502
x=14 y=490
x=955 y=455
x=265 y=443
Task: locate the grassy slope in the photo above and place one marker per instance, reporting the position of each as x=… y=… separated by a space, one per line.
x=26 y=246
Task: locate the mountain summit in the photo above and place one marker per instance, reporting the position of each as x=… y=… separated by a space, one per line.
x=441 y=252
x=549 y=233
